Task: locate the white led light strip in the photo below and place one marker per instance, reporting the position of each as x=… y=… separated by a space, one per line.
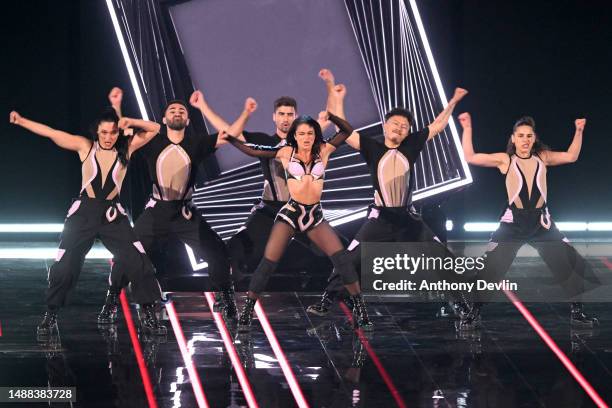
x=596 y=226
x=438 y=81
x=128 y=61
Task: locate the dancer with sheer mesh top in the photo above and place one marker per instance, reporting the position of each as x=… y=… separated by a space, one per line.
x=526 y=218
x=391 y=163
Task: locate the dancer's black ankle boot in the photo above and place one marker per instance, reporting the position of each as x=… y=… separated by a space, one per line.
x=229 y=304
x=246 y=316
x=47 y=326
x=579 y=319
x=108 y=314
x=321 y=308
x=148 y=321
x=469 y=321
x=360 y=313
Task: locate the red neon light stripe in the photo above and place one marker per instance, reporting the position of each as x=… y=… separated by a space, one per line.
x=191 y=370
x=588 y=388
x=606 y=262
x=231 y=350
x=144 y=373
x=280 y=356
x=381 y=369
x=0 y=330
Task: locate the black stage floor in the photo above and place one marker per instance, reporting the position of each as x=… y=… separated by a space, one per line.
x=411 y=359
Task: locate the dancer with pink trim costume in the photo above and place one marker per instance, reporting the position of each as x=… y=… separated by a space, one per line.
x=526 y=218
x=97 y=213
x=391 y=163
x=172 y=159
x=304 y=159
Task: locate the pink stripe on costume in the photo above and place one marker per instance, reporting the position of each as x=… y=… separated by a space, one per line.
x=73 y=208
x=121 y=209
x=151 y=203
x=540 y=167
x=508 y=217
x=303 y=226
x=60 y=254
x=374 y=213
x=284 y=217
x=139 y=247
x=114 y=175
x=95 y=167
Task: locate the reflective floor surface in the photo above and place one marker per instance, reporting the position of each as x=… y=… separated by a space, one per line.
x=413 y=358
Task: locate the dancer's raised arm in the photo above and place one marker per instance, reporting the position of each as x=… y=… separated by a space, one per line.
x=250 y=149
x=335 y=102
x=499 y=160
x=553 y=158
x=63 y=139
x=345 y=130
x=441 y=121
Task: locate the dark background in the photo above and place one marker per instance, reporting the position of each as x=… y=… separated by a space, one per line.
x=548 y=59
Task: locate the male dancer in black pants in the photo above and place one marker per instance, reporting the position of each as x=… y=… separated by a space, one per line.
x=172 y=159
x=391 y=164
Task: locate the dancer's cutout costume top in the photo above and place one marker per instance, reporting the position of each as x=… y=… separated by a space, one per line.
x=96 y=168
x=390 y=218
x=526 y=219
x=172 y=167
x=97 y=213
x=298 y=216
x=392 y=169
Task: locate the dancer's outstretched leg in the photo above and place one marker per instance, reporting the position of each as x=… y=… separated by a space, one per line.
x=324 y=236
x=275 y=248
